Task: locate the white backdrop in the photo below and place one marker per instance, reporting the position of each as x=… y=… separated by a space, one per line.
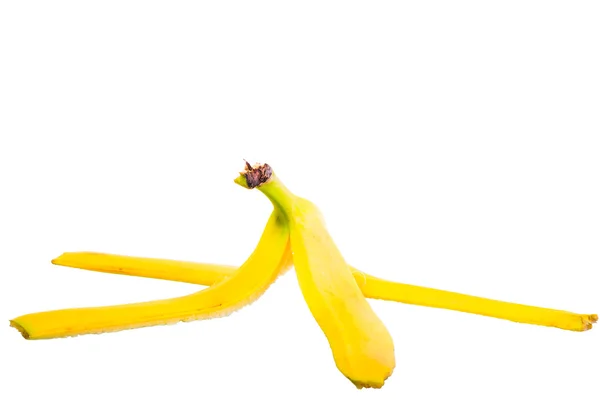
x=448 y=144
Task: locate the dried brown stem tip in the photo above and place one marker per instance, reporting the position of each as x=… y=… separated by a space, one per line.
x=257 y=175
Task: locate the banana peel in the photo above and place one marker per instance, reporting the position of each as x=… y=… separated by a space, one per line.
x=243 y=286
x=335 y=292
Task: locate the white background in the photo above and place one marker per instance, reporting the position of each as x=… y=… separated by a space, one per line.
x=449 y=144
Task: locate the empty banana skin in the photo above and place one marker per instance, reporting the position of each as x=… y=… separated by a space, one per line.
x=335 y=293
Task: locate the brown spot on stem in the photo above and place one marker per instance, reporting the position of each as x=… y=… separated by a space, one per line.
x=257 y=175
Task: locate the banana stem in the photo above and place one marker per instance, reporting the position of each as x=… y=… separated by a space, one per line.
x=278 y=194
x=264 y=179
x=372 y=287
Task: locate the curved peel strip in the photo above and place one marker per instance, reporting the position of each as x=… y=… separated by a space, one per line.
x=245 y=285
x=362 y=346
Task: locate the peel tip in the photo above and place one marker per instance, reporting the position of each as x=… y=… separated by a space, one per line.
x=59 y=259
x=20 y=328
x=587 y=321
x=367 y=385
x=586 y=326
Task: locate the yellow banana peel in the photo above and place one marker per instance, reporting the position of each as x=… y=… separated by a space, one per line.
x=335 y=292
x=243 y=286
x=362 y=347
